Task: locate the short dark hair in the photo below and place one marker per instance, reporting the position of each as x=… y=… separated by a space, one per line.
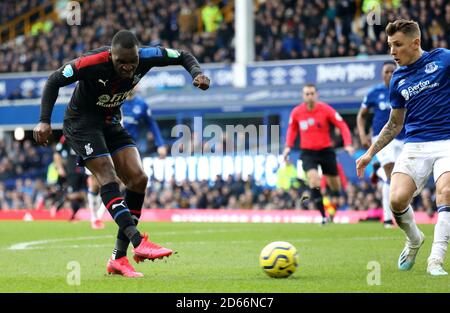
x=310 y=85
x=409 y=28
x=125 y=39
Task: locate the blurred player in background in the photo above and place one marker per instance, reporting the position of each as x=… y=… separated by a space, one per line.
x=378 y=100
x=106 y=77
x=312 y=119
x=135 y=114
x=420 y=98
x=71 y=178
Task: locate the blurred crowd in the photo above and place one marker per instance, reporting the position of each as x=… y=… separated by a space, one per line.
x=23 y=169
x=9 y=10
x=238 y=193
x=295 y=29
x=25 y=184
x=199 y=26
x=289 y=29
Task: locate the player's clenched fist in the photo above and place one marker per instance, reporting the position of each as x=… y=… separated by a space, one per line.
x=201 y=81
x=41 y=133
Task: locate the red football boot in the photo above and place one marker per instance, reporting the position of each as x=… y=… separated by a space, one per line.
x=149 y=250
x=97 y=224
x=122 y=267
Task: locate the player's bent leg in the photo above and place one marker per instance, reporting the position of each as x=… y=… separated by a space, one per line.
x=402 y=190
x=131 y=173
x=442 y=228
x=103 y=169
x=129 y=168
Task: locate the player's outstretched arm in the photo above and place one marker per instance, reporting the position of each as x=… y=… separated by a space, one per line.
x=64 y=76
x=388 y=133
x=159 y=56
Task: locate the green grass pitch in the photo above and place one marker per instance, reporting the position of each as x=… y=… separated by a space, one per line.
x=212 y=257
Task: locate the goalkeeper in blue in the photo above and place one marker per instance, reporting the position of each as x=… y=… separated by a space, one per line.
x=419 y=93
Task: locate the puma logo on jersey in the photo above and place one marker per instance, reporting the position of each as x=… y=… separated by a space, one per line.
x=122 y=203
x=103 y=82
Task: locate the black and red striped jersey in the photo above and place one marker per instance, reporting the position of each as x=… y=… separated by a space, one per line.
x=100 y=92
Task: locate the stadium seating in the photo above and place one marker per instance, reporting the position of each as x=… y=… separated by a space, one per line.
x=292 y=29
x=283 y=30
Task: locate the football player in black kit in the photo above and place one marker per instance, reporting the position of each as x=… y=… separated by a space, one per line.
x=71 y=179
x=92 y=128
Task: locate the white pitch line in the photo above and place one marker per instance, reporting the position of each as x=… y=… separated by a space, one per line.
x=32 y=244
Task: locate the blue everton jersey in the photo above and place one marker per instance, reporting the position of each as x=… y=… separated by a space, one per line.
x=378 y=100
x=423 y=88
x=136 y=112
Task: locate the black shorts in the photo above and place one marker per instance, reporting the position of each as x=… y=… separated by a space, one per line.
x=326 y=158
x=76 y=182
x=73 y=182
x=92 y=140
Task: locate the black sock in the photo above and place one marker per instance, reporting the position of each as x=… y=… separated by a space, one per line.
x=135 y=201
x=117 y=207
x=316 y=196
x=121 y=246
x=75 y=204
x=117 y=254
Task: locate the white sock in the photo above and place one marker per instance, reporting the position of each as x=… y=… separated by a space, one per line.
x=387 y=213
x=405 y=220
x=100 y=210
x=441 y=237
x=92 y=205
x=96 y=205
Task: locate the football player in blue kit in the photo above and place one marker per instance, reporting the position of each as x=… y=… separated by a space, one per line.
x=420 y=99
x=377 y=100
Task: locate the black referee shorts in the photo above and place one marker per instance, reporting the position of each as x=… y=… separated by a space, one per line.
x=92 y=140
x=326 y=158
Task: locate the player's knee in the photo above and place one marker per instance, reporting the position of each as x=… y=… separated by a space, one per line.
x=106 y=174
x=399 y=201
x=443 y=193
x=138 y=182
